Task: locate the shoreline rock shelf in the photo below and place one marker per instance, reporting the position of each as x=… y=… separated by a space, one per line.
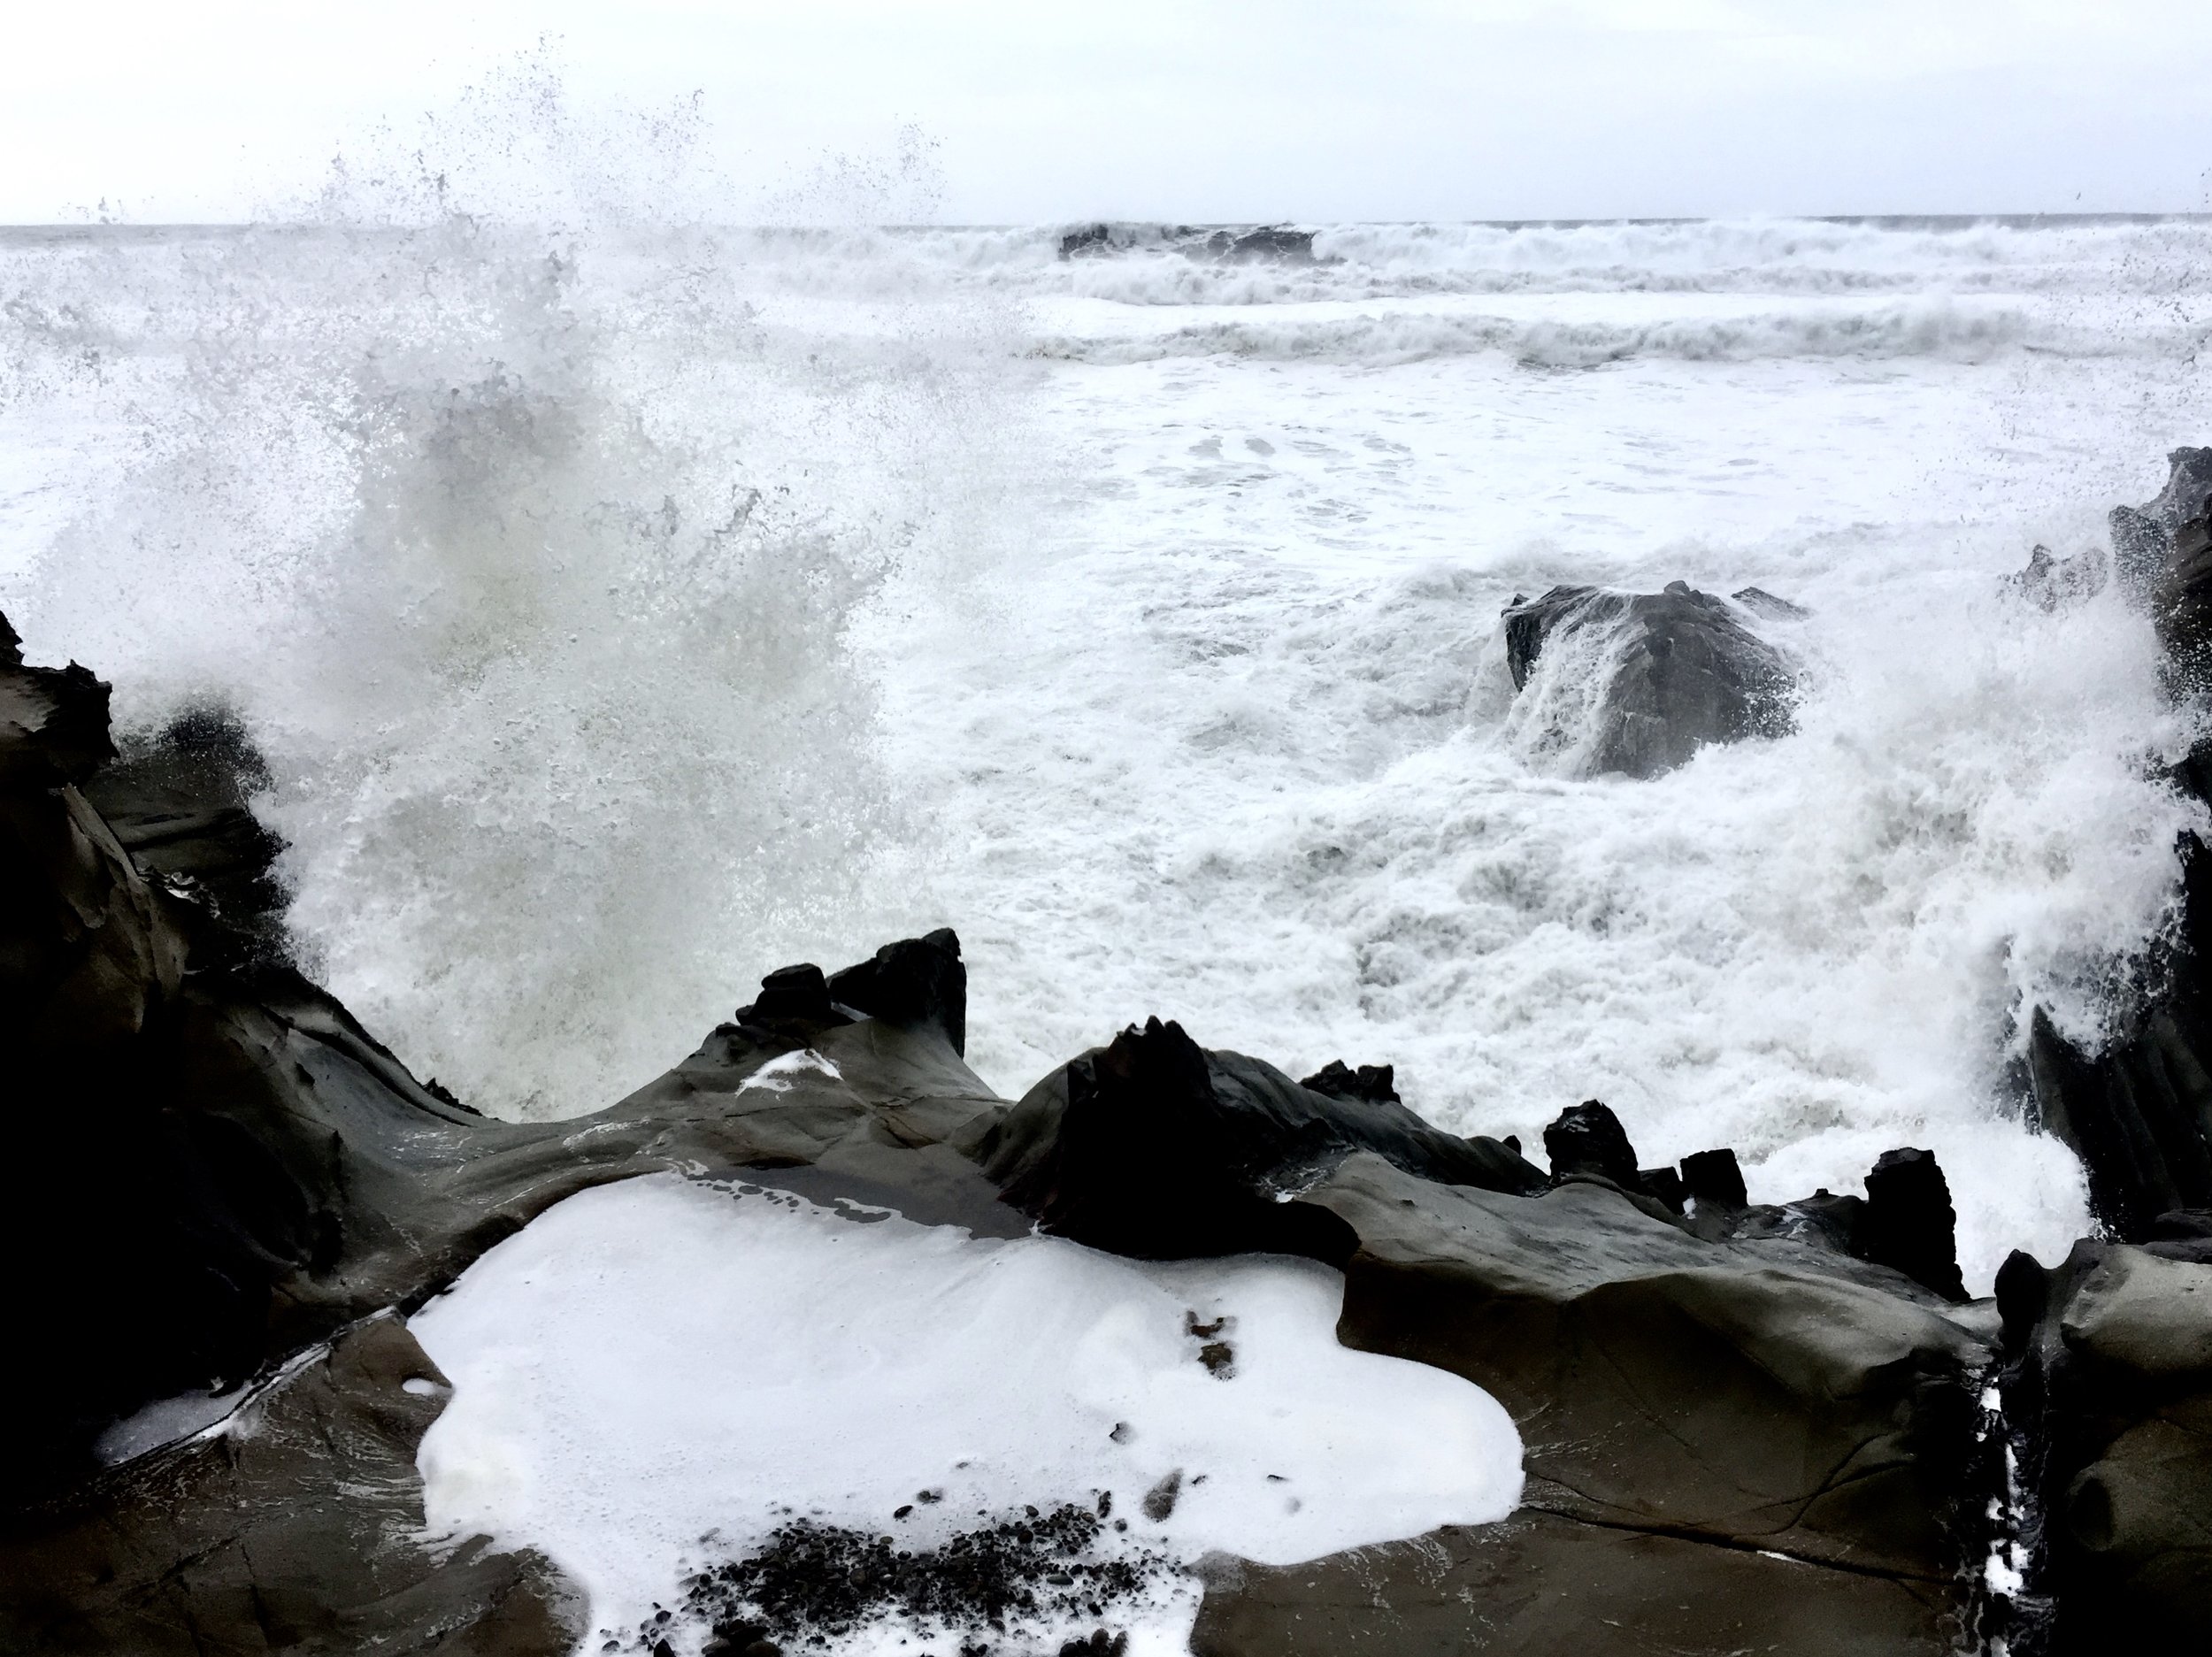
x=1745 y=1426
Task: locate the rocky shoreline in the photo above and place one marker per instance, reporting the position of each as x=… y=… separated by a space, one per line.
x=1745 y=1427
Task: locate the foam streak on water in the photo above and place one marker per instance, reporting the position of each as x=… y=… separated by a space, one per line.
x=627 y=612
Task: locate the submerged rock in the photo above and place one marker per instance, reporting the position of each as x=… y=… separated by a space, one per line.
x=2054 y=584
x=1267 y=243
x=1761 y=602
x=1274 y=244
x=1681 y=672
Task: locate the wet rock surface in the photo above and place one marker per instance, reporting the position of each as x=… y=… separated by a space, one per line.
x=291 y=1528
x=1762 y=1393
x=1541 y=1585
x=1680 y=671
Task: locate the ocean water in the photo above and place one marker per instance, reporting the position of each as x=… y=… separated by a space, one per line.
x=651 y=1377
x=627 y=610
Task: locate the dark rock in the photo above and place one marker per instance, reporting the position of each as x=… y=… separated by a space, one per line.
x=2054 y=584
x=2023 y=1296
x=2182 y=1226
x=178 y=802
x=1909 y=1224
x=1101 y=1643
x=1666 y=1184
x=795 y=995
x=1680 y=671
x=2182 y=606
x=1711 y=1179
x=1156 y=1148
x=53 y=725
x=914 y=981
x=1824 y=1219
x=1376 y=1083
x=234 y=1541
x=1159 y=1501
x=1090 y=238
x=1540 y=1585
x=2139 y=1112
x=1588 y=1139
x=2164 y=553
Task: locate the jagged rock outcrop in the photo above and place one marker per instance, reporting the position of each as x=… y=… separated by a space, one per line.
x=288 y=1528
x=1680 y=671
x=2143 y=536
x=1377 y=1083
x=1154 y=1147
x=1905 y=1222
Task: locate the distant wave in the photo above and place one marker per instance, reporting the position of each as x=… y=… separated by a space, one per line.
x=1925 y=328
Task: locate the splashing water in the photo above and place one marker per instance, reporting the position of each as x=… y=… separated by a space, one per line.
x=529 y=554
x=631 y=603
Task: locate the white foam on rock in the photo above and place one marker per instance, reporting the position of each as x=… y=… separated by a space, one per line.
x=653 y=1362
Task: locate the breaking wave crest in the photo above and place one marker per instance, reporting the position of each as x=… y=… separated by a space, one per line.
x=1914 y=329
x=530 y=555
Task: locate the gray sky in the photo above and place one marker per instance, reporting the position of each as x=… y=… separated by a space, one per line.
x=1206 y=110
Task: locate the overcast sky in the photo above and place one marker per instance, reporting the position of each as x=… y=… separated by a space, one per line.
x=1220 y=110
